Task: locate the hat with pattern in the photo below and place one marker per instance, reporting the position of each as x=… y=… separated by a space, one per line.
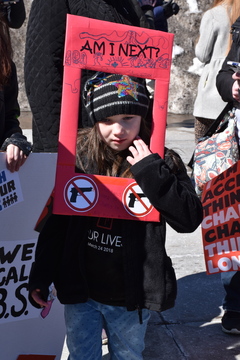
x=106 y=95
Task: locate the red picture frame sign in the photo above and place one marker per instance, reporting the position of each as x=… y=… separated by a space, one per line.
x=113 y=48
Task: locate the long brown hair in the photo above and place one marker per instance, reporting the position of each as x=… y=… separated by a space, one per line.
x=96 y=157
x=5 y=51
x=233 y=9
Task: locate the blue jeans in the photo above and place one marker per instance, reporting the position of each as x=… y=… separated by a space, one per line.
x=231 y=283
x=84 y=323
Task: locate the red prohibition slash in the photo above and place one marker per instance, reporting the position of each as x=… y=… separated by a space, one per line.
x=81 y=193
x=135 y=202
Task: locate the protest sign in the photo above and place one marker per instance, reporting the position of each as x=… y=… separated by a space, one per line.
x=112 y=48
x=23 y=195
x=221 y=222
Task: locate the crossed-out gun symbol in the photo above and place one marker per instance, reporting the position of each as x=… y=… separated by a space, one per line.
x=75 y=192
x=134 y=198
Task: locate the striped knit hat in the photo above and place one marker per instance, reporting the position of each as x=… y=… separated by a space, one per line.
x=107 y=95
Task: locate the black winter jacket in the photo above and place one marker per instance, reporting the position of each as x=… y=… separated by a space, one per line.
x=224 y=79
x=149 y=277
x=44 y=57
x=9 y=108
x=15 y=14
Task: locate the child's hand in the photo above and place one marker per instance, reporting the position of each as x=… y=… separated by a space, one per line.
x=37 y=297
x=139 y=151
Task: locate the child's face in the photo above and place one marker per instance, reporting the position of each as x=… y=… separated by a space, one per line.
x=119 y=131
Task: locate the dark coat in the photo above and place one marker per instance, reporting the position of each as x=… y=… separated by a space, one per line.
x=15 y=14
x=9 y=108
x=149 y=277
x=224 y=79
x=44 y=57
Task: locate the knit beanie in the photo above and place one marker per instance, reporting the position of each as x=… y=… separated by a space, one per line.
x=106 y=95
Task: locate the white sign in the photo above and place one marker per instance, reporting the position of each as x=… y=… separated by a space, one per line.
x=23 y=195
x=10 y=189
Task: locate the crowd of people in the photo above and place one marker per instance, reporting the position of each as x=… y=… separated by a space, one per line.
x=117 y=289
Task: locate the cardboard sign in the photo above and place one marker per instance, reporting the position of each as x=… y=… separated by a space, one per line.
x=221 y=223
x=23 y=195
x=112 y=48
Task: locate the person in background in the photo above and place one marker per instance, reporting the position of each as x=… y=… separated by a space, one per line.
x=162 y=10
x=116 y=284
x=43 y=66
x=215 y=27
x=228 y=85
x=11 y=138
x=14 y=12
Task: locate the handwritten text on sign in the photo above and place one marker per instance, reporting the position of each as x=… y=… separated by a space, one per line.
x=10 y=189
x=118 y=47
x=16 y=258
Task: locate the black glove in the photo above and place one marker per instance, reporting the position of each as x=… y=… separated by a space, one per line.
x=170 y=8
x=20 y=141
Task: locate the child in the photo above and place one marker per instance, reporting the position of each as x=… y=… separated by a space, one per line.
x=110 y=272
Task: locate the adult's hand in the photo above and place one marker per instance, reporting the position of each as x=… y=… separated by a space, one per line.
x=15 y=158
x=236 y=87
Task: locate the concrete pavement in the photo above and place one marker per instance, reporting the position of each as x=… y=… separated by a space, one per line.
x=192 y=329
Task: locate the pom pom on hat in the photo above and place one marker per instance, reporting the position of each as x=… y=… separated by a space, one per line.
x=107 y=95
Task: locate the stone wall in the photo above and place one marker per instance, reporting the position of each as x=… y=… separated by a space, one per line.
x=184 y=78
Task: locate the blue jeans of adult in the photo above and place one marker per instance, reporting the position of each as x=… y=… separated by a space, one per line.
x=84 y=323
x=231 y=283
